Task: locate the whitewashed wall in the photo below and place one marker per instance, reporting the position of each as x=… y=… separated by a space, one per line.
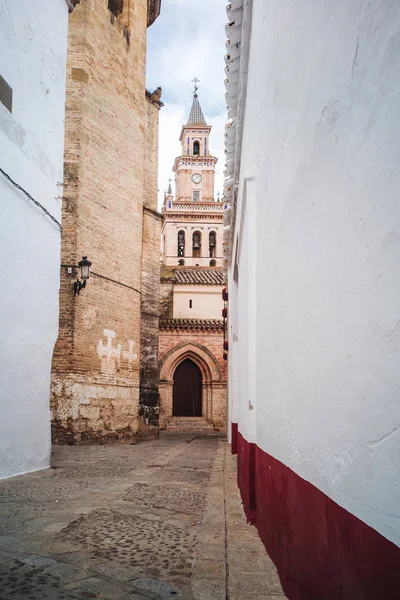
x=33 y=40
x=206 y=300
x=319 y=342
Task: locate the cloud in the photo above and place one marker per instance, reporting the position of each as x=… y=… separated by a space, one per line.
x=187 y=41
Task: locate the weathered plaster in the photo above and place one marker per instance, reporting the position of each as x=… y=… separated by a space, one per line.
x=314 y=317
x=33 y=44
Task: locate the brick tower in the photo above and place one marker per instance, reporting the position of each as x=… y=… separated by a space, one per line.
x=193 y=221
x=192 y=369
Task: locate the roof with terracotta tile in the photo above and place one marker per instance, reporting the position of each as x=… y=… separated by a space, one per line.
x=203 y=324
x=199 y=276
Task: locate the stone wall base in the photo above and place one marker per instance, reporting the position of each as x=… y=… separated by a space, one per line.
x=84 y=409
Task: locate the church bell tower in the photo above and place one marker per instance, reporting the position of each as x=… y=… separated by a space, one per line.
x=193 y=221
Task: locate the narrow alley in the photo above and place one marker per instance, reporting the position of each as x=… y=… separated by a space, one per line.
x=157 y=520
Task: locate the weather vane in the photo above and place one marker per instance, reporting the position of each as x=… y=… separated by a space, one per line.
x=196 y=87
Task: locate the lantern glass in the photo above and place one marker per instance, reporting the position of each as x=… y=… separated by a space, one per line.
x=84 y=266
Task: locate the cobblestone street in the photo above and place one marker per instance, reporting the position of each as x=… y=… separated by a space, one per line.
x=159 y=520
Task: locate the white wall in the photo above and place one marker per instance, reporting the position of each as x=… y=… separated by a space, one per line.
x=33 y=38
x=206 y=300
x=320 y=346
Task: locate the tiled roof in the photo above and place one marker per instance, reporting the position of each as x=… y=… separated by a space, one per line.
x=203 y=324
x=196 y=114
x=199 y=276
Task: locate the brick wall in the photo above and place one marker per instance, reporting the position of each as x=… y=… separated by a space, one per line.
x=213 y=341
x=167 y=293
x=96 y=363
x=150 y=305
x=149 y=398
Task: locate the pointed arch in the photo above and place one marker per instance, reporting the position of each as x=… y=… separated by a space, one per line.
x=199 y=354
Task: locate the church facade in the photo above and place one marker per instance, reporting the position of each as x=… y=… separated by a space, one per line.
x=192 y=368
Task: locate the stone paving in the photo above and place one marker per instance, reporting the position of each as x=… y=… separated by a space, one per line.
x=159 y=520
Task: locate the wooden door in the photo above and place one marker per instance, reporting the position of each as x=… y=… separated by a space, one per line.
x=187 y=390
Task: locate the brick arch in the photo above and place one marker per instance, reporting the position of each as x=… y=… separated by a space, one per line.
x=199 y=354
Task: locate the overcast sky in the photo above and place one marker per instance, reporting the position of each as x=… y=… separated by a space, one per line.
x=186 y=41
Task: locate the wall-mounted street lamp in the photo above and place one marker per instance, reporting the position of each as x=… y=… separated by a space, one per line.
x=84 y=268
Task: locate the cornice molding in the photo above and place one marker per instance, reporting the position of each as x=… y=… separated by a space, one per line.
x=193 y=324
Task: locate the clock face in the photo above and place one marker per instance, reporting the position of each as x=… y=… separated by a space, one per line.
x=196 y=178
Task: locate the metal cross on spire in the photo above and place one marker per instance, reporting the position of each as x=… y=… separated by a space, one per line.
x=196 y=87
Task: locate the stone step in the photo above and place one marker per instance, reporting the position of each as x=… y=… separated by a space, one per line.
x=191 y=419
x=190 y=429
x=189 y=424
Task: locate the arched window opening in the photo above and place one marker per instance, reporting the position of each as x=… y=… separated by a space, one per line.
x=196 y=148
x=116 y=7
x=212 y=240
x=181 y=263
x=196 y=244
x=181 y=243
x=213 y=263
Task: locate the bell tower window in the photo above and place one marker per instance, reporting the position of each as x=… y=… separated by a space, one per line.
x=196 y=148
x=196 y=195
x=181 y=243
x=196 y=244
x=212 y=241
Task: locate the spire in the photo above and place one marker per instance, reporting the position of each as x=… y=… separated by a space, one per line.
x=196 y=116
x=169 y=188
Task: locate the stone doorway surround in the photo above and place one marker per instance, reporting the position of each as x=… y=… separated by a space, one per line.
x=213 y=383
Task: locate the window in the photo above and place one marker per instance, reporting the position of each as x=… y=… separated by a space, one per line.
x=181 y=243
x=116 y=7
x=181 y=263
x=196 y=148
x=196 y=244
x=190 y=304
x=196 y=195
x=213 y=263
x=212 y=241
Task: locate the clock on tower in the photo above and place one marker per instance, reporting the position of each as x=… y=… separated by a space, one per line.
x=192 y=230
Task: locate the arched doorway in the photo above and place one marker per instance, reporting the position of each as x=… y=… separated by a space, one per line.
x=187 y=391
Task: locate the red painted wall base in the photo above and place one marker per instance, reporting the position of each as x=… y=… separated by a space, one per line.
x=322 y=552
